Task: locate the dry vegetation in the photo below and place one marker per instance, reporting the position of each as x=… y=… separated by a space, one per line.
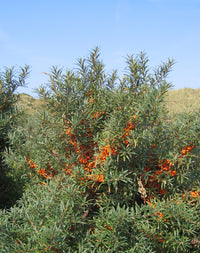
x=187 y=99
x=29 y=104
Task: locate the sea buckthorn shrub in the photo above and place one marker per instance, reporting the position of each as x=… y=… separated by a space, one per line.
x=10 y=81
x=107 y=169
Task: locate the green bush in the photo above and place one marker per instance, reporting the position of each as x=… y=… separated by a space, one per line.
x=10 y=80
x=107 y=170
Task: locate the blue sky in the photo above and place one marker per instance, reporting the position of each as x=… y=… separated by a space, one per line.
x=43 y=33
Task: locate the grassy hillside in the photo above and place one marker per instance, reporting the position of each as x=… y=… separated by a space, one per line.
x=177 y=101
x=29 y=104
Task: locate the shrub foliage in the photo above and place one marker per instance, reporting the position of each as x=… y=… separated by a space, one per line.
x=10 y=80
x=106 y=169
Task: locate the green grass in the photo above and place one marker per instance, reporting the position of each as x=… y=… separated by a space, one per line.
x=177 y=101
